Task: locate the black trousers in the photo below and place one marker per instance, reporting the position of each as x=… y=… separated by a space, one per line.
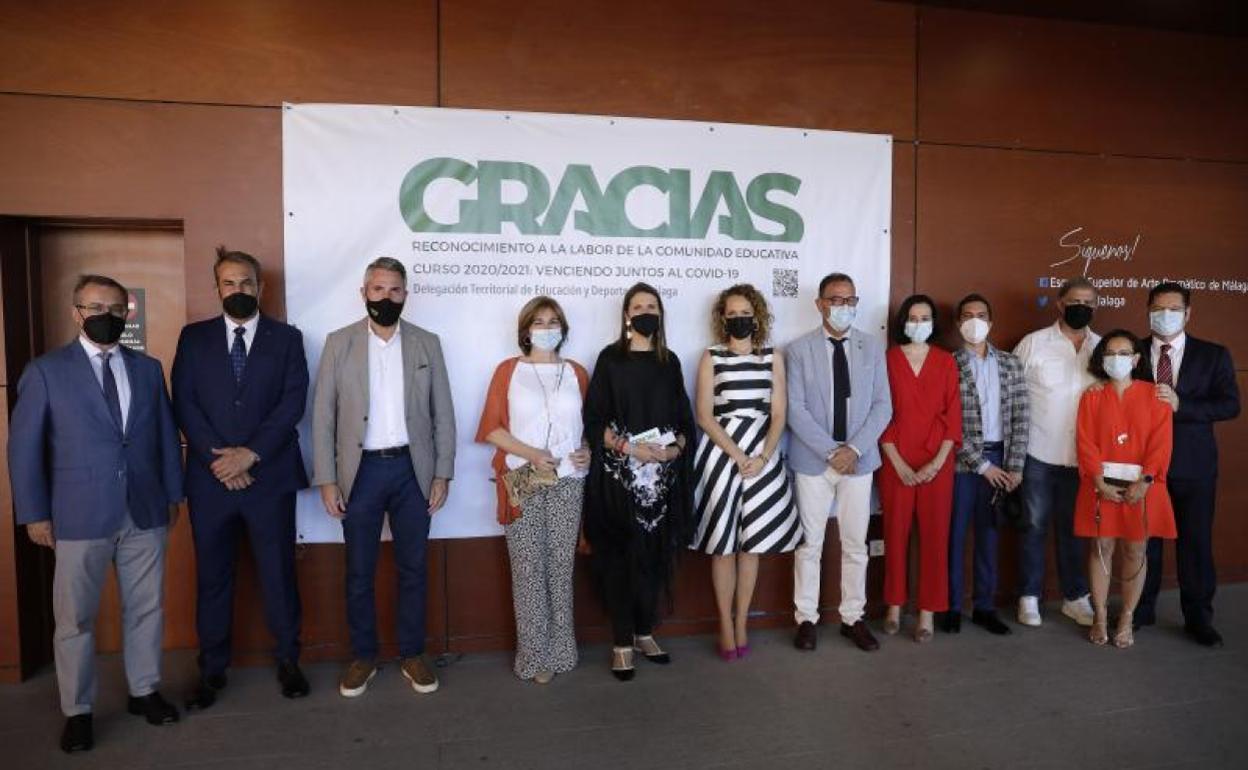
x=1193 y=501
x=631 y=586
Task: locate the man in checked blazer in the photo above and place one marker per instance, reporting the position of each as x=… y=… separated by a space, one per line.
x=383 y=442
x=995 y=427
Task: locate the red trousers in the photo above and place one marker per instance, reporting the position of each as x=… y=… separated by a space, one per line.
x=932 y=505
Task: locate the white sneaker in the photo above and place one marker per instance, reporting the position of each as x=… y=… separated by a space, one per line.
x=1029 y=611
x=1079 y=610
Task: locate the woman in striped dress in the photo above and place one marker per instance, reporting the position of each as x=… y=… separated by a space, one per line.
x=744 y=496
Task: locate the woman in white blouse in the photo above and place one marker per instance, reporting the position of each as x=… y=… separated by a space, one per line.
x=532 y=416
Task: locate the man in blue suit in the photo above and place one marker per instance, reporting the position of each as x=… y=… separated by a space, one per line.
x=240 y=384
x=96 y=469
x=839 y=404
x=1197 y=379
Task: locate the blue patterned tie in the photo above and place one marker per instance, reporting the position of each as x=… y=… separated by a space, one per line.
x=112 y=398
x=238 y=354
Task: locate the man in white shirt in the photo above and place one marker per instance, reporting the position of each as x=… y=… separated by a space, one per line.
x=383 y=435
x=1055 y=367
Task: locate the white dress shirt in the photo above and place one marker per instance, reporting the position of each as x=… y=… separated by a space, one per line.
x=387 y=417
x=1056 y=377
x=249 y=331
x=1176 y=355
x=95 y=355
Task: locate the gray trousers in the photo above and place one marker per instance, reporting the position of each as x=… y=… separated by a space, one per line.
x=81 y=566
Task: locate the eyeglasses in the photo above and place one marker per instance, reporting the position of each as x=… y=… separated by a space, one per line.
x=840 y=301
x=1119 y=354
x=95 y=308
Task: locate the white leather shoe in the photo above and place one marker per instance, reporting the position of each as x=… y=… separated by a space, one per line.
x=1029 y=611
x=1079 y=610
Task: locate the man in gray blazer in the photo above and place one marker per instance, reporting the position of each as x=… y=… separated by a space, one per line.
x=383 y=441
x=839 y=404
x=96 y=468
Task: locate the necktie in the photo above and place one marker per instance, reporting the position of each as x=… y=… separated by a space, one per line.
x=1165 y=369
x=238 y=354
x=840 y=388
x=112 y=399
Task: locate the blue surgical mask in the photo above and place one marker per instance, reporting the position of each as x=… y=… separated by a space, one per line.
x=1165 y=323
x=918 y=331
x=546 y=339
x=841 y=317
x=1119 y=367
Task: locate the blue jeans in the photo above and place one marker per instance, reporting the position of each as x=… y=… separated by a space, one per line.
x=972 y=501
x=386 y=485
x=1049 y=495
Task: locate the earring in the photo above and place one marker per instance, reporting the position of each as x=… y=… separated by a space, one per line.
x=628 y=329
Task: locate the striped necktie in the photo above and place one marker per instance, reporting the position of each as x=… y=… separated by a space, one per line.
x=1165 y=368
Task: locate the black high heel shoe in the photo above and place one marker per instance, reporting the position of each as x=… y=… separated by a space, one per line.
x=622 y=664
x=651 y=650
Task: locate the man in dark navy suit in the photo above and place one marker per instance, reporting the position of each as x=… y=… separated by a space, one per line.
x=96 y=468
x=240 y=384
x=1197 y=379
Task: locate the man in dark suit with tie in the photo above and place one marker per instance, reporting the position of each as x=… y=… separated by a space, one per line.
x=240 y=384
x=96 y=469
x=1197 y=379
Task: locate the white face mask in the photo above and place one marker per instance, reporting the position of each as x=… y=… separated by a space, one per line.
x=546 y=339
x=1119 y=367
x=841 y=317
x=918 y=331
x=1166 y=322
x=974 y=330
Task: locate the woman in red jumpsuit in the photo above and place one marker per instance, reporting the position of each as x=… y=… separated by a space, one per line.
x=1125 y=436
x=917 y=480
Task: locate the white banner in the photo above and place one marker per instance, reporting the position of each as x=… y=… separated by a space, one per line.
x=489 y=209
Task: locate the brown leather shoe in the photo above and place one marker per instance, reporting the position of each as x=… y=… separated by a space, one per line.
x=355 y=679
x=861 y=636
x=807 y=637
x=422 y=679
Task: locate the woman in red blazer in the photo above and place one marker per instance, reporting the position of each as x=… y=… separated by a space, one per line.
x=917 y=480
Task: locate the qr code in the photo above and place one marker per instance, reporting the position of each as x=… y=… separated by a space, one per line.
x=783 y=283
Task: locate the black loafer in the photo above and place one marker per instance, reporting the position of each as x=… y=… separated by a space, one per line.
x=1205 y=636
x=806 y=638
x=78 y=734
x=205 y=693
x=988 y=620
x=154 y=708
x=950 y=622
x=294 y=683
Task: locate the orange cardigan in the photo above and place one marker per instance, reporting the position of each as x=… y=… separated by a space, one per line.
x=497 y=414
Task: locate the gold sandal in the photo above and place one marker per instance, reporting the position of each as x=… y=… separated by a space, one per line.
x=1099 y=633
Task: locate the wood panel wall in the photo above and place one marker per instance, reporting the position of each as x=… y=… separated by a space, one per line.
x=1011 y=130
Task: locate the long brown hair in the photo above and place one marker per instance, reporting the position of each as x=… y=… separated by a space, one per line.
x=659 y=341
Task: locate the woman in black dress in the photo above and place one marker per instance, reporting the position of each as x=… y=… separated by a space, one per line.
x=638 y=499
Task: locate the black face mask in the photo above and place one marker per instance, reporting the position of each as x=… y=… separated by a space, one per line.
x=384 y=312
x=1077 y=316
x=740 y=327
x=645 y=324
x=103 y=329
x=240 y=305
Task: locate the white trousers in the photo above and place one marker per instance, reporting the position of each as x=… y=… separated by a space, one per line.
x=818 y=497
